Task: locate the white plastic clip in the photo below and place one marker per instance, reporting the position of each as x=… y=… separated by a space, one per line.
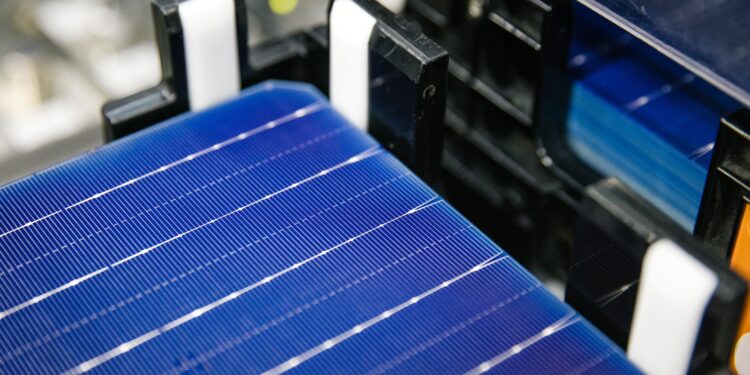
x=675 y=289
x=211 y=53
x=351 y=28
x=395 y=6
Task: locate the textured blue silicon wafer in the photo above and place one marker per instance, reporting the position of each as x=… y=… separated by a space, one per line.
x=266 y=234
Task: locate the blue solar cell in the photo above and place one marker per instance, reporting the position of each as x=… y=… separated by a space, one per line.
x=632 y=107
x=706 y=36
x=266 y=234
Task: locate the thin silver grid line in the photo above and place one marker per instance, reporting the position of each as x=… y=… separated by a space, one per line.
x=297 y=114
x=417 y=349
x=359 y=328
x=206 y=356
x=184 y=195
x=140 y=340
x=71 y=284
x=586 y=367
x=39 y=342
x=558 y=326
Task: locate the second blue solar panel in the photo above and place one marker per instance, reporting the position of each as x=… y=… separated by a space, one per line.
x=637 y=116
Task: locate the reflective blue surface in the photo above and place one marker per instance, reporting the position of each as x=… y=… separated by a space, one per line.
x=266 y=234
x=642 y=118
x=708 y=37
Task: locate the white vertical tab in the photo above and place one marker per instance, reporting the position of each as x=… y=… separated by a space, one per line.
x=742 y=355
x=351 y=28
x=211 y=53
x=675 y=289
x=395 y=6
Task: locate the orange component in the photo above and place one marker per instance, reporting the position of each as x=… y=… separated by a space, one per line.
x=740 y=263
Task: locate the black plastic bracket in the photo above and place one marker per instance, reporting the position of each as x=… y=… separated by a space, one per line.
x=497 y=77
x=170 y=97
x=553 y=100
x=407 y=75
x=525 y=62
x=727 y=188
x=615 y=229
x=407 y=90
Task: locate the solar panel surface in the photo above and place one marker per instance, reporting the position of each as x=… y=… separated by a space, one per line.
x=265 y=235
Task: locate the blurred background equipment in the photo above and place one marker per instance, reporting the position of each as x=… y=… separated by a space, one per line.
x=60 y=60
